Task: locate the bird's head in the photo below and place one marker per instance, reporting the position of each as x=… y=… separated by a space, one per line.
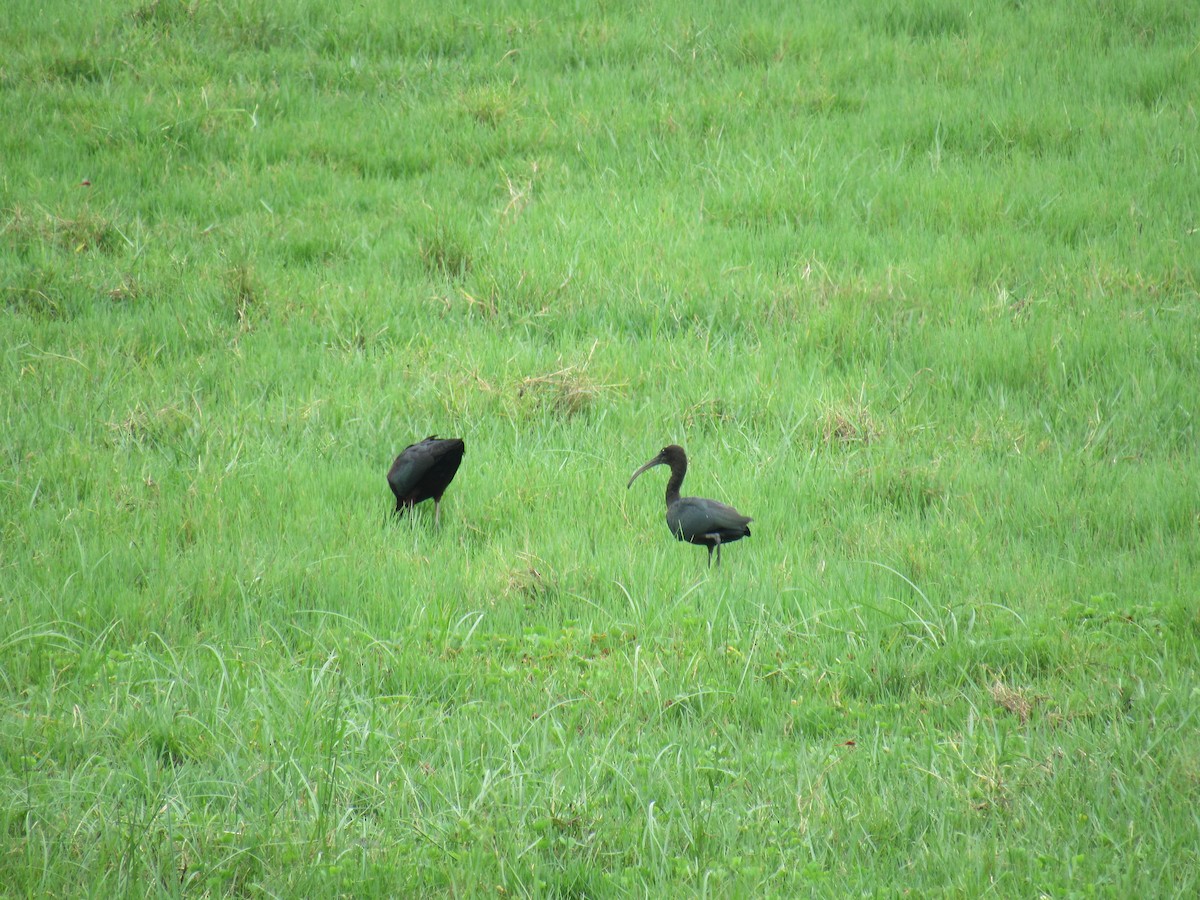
x=671 y=455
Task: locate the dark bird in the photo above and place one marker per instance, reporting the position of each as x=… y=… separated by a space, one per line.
x=424 y=470
x=695 y=519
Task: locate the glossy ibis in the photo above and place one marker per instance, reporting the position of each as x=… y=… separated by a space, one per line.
x=423 y=470
x=695 y=519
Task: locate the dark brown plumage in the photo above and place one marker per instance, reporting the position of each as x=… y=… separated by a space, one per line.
x=423 y=471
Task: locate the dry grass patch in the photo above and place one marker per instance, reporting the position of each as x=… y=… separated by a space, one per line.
x=532 y=582
x=567 y=392
x=1012 y=700
x=82 y=233
x=852 y=424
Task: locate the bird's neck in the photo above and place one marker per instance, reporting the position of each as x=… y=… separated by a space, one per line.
x=675 y=482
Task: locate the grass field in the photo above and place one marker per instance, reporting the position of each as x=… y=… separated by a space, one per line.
x=913 y=281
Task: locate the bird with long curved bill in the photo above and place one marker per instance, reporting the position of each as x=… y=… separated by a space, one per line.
x=423 y=470
x=696 y=520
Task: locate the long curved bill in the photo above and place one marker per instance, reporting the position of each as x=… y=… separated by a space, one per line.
x=657 y=461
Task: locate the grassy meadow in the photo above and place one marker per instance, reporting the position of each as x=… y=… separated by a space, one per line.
x=914 y=282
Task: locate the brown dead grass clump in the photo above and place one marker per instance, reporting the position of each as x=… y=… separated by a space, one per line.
x=849 y=425
x=567 y=392
x=1014 y=701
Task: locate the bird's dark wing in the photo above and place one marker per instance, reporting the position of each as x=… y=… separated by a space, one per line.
x=447 y=457
x=410 y=467
x=424 y=469
x=693 y=517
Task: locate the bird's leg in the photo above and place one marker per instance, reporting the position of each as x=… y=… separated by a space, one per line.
x=437 y=511
x=716 y=542
x=710 y=556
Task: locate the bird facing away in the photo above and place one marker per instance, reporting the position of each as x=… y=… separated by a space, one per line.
x=423 y=470
x=695 y=519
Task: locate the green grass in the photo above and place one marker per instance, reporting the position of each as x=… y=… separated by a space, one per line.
x=914 y=282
